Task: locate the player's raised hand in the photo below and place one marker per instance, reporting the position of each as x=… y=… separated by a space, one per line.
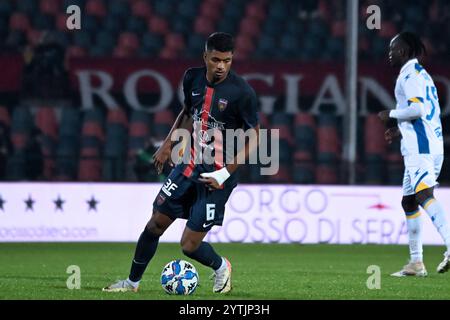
x=161 y=156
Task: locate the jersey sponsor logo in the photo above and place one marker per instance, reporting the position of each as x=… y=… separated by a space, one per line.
x=211 y=123
x=222 y=104
x=194 y=94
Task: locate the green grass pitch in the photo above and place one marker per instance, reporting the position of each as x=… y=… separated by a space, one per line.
x=260 y=271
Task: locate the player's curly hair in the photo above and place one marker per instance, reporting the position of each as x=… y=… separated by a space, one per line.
x=415 y=45
x=220 y=41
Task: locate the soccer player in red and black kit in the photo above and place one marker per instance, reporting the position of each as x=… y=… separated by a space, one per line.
x=214 y=98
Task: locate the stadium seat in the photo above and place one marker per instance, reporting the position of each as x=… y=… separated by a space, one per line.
x=118 y=116
x=244 y=44
x=168 y=53
x=141 y=9
x=61 y=22
x=128 y=40
x=19 y=21
x=187 y=9
x=277 y=11
x=136 y=25
x=22 y=120
x=90 y=167
x=304 y=173
x=93 y=129
x=46 y=121
x=164 y=117
x=51 y=7
x=326 y=174
x=116 y=146
x=203 y=26
x=210 y=10
x=272 y=28
x=82 y=39
x=95 y=8
x=162 y=123
x=195 y=45
x=119 y=9
x=249 y=27
x=48 y=145
x=255 y=10
x=105 y=40
x=289 y=44
x=163 y=8
x=305 y=137
x=28 y=7
x=158 y=25
x=174 y=41
x=70 y=122
x=15 y=168
x=19 y=140
x=94 y=115
x=90 y=23
x=112 y=25
x=228 y=25
x=43 y=22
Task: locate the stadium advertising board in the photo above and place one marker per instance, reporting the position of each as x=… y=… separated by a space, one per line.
x=65 y=212
x=282 y=86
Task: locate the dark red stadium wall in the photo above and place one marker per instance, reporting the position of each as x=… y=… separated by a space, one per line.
x=296 y=83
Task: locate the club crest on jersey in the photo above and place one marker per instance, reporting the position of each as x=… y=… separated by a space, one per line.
x=222 y=104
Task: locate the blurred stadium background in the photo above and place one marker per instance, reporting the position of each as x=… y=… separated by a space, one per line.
x=96 y=141
x=91 y=105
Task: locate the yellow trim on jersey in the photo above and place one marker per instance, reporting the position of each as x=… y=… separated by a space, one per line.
x=421 y=186
x=428 y=202
x=414 y=100
x=415 y=215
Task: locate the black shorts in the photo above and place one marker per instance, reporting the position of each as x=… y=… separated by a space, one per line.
x=181 y=197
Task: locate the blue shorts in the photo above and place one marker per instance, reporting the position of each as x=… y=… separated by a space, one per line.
x=181 y=197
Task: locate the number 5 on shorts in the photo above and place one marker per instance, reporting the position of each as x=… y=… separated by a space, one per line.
x=210 y=211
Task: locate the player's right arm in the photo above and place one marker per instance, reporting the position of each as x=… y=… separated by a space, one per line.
x=414 y=90
x=183 y=121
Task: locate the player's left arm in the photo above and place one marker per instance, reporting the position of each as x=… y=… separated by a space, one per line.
x=249 y=115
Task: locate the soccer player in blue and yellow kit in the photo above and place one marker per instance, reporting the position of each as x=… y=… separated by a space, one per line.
x=419 y=126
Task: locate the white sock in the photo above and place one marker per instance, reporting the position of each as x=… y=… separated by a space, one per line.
x=135 y=284
x=222 y=266
x=437 y=215
x=414 y=223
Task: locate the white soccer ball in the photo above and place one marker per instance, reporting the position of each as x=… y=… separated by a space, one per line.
x=179 y=277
